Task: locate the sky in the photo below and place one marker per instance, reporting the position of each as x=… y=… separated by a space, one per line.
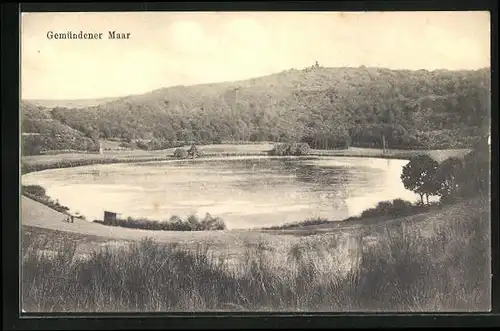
x=176 y=48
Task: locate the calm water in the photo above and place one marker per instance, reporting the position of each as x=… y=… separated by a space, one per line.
x=245 y=191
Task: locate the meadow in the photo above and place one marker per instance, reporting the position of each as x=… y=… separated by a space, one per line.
x=63 y=160
x=437 y=261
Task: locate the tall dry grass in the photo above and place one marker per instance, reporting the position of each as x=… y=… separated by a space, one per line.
x=442 y=266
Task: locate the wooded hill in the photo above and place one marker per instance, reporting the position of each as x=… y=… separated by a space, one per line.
x=52 y=134
x=325 y=107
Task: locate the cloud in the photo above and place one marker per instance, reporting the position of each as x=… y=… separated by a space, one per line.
x=245 y=33
x=189 y=37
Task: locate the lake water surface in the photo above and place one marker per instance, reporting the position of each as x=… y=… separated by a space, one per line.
x=245 y=192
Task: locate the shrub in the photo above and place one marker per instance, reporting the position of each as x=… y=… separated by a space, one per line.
x=194 y=223
x=129 y=145
x=141 y=145
x=401 y=207
x=295 y=149
x=211 y=223
x=175 y=223
x=32 y=145
x=180 y=153
x=194 y=151
x=36 y=190
x=217 y=141
x=419 y=176
x=447 y=174
x=312 y=221
x=474 y=179
x=395 y=208
x=38 y=194
x=299 y=149
x=279 y=149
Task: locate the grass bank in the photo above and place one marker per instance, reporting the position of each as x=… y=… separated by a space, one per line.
x=441 y=264
x=44 y=162
x=37 y=193
x=384 y=210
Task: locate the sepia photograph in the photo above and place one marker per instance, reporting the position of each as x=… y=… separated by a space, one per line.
x=255 y=162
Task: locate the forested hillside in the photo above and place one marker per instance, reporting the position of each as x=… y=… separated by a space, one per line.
x=325 y=107
x=46 y=133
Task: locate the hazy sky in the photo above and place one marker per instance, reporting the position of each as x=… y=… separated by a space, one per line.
x=167 y=49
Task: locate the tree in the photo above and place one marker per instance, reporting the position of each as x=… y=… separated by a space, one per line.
x=279 y=149
x=322 y=107
x=193 y=151
x=94 y=136
x=32 y=145
x=475 y=178
x=180 y=153
x=419 y=176
x=302 y=149
x=447 y=175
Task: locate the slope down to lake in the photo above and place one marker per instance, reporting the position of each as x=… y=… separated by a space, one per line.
x=35 y=214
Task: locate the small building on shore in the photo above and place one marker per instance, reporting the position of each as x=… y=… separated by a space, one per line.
x=110 y=217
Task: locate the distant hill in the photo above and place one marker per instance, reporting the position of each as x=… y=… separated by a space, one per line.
x=51 y=134
x=325 y=107
x=77 y=103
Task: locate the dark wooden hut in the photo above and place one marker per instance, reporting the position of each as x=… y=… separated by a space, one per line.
x=110 y=217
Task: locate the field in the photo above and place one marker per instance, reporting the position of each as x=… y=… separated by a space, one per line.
x=437 y=261
x=225 y=150
x=140 y=155
x=438 y=155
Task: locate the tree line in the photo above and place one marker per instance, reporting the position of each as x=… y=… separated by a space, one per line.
x=324 y=107
x=44 y=133
x=451 y=179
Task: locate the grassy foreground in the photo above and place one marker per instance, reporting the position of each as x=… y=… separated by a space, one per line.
x=439 y=264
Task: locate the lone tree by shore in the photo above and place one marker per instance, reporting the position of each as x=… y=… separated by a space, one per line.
x=419 y=176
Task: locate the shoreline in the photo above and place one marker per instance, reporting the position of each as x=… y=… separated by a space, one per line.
x=103 y=159
x=39 y=165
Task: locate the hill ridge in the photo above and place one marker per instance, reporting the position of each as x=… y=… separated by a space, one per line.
x=325 y=107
